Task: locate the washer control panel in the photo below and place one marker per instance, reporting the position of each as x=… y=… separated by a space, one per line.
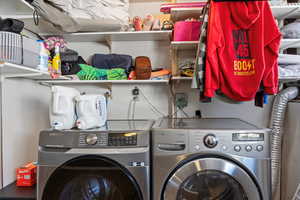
x=122 y=139
x=93 y=139
x=237 y=143
x=108 y=139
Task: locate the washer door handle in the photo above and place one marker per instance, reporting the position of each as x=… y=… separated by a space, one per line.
x=171 y=147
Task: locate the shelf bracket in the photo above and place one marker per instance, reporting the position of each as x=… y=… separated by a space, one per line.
x=281 y=18
x=288 y=45
x=45 y=84
x=288 y=14
x=109 y=44
x=22 y=75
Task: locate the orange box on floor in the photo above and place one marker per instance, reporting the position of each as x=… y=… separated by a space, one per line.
x=26 y=176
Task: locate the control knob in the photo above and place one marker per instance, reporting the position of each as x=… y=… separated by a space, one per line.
x=260 y=148
x=91 y=139
x=210 y=141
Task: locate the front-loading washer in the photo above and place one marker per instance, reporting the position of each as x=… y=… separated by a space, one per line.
x=111 y=163
x=219 y=159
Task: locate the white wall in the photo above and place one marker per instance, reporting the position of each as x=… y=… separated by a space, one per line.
x=11 y=7
x=219 y=108
x=25 y=113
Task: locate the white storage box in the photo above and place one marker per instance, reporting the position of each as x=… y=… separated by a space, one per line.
x=17 y=49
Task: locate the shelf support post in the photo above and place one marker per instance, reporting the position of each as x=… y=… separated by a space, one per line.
x=174 y=61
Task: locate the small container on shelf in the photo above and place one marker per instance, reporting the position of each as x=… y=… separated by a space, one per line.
x=187 y=31
x=26 y=175
x=56 y=62
x=17 y=49
x=43 y=57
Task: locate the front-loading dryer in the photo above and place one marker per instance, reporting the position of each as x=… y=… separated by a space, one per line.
x=111 y=163
x=219 y=159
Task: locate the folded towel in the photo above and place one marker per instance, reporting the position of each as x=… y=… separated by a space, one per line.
x=288 y=59
x=291 y=30
x=289 y=70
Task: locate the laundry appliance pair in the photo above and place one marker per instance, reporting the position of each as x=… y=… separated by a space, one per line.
x=186 y=159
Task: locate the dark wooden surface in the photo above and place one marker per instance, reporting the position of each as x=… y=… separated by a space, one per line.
x=13 y=192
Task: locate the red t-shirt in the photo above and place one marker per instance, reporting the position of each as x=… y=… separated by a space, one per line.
x=242 y=49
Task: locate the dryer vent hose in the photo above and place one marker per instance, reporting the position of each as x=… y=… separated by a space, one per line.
x=278 y=115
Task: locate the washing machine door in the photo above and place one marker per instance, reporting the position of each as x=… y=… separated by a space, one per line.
x=91 y=178
x=211 y=179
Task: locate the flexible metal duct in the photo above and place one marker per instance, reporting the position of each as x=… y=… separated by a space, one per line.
x=277 y=120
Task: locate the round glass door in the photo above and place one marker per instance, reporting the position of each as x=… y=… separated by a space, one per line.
x=211 y=185
x=91 y=178
x=211 y=179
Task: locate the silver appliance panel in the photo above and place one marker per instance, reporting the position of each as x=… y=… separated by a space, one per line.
x=123 y=125
x=167 y=142
x=114 y=137
x=243 y=145
x=122 y=141
x=204 y=123
x=290 y=176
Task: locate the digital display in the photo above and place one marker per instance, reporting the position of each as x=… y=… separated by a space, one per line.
x=122 y=139
x=248 y=137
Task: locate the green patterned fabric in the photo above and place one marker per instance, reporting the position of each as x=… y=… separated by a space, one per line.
x=88 y=72
x=116 y=74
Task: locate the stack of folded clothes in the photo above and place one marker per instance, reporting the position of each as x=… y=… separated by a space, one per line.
x=91 y=73
x=289 y=65
x=112 y=67
x=291 y=30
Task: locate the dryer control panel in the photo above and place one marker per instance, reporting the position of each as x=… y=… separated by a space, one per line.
x=251 y=144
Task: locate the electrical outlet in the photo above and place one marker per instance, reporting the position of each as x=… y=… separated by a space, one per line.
x=135 y=92
x=181 y=100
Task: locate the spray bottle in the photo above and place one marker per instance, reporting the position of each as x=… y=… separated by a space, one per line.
x=56 y=63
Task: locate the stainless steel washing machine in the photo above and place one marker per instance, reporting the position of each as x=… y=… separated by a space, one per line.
x=201 y=159
x=112 y=163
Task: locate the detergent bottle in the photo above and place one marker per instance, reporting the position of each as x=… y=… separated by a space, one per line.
x=62 y=107
x=91 y=111
x=43 y=57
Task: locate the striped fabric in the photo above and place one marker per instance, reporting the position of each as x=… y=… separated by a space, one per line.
x=198 y=78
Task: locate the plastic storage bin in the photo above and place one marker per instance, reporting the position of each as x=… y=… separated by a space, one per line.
x=10 y=47
x=187 y=31
x=31 y=52
x=17 y=49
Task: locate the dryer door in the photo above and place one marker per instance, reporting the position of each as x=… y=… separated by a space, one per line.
x=91 y=178
x=211 y=178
